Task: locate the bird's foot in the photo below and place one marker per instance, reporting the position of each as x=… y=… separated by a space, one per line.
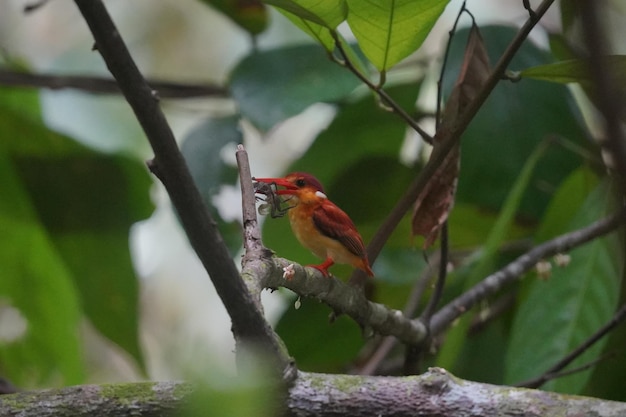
x=323 y=267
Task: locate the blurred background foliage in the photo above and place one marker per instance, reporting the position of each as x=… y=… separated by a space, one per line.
x=81 y=302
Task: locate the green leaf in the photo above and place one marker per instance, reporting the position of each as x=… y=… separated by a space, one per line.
x=202 y=150
x=390 y=30
x=85 y=204
x=570 y=195
x=563 y=311
x=92 y=236
x=327 y=13
x=250 y=15
x=468 y=225
x=272 y=86
x=36 y=283
x=576 y=71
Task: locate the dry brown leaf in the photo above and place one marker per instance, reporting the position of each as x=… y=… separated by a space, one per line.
x=435 y=201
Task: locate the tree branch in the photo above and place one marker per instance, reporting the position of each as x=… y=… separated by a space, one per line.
x=101 y=85
x=248 y=324
x=435 y=393
x=340 y=297
x=513 y=271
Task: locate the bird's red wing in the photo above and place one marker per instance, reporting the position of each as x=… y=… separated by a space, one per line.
x=333 y=222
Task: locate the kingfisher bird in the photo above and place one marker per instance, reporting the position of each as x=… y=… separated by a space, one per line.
x=319 y=224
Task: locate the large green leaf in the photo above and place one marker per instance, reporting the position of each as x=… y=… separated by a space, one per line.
x=576 y=71
x=511 y=123
x=85 y=204
x=272 y=86
x=36 y=283
x=560 y=313
x=390 y=30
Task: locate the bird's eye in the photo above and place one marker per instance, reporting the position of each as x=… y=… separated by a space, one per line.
x=300 y=182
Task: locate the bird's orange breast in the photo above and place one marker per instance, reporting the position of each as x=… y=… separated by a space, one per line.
x=301 y=219
x=322 y=245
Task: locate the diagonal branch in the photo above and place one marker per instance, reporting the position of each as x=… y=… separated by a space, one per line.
x=513 y=271
x=248 y=324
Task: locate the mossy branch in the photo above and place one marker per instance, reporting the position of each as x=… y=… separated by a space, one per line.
x=435 y=393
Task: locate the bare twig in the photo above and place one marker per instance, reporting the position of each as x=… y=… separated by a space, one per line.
x=252 y=243
x=445 y=60
x=513 y=271
x=441 y=278
x=102 y=85
x=378 y=89
x=445 y=146
x=248 y=324
x=556 y=370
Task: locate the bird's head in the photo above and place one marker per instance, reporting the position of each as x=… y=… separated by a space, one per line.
x=299 y=184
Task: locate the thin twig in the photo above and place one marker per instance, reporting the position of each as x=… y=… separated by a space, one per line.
x=248 y=324
x=555 y=371
x=378 y=89
x=446 y=54
x=441 y=278
x=445 y=146
x=514 y=270
x=102 y=85
x=252 y=243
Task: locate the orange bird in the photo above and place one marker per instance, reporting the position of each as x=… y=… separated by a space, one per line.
x=319 y=224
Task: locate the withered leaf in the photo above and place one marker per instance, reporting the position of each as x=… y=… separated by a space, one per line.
x=435 y=201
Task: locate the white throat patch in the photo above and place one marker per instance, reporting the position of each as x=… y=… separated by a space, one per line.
x=320 y=194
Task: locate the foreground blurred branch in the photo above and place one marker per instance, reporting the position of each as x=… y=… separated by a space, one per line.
x=435 y=393
x=248 y=324
x=101 y=85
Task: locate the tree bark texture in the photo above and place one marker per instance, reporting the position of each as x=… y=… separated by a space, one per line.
x=434 y=394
